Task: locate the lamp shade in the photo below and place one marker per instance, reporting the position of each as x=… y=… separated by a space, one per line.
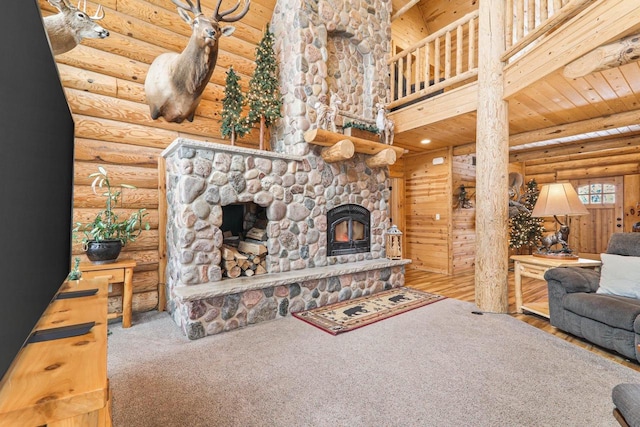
x=558 y=199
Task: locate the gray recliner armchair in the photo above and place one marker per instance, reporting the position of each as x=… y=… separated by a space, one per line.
x=609 y=321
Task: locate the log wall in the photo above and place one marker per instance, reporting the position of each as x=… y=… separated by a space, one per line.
x=428 y=190
x=463 y=235
x=104 y=80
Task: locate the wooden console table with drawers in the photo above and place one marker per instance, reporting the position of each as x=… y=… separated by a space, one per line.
x=62 y=382
x=535 y=267
x=120 y=271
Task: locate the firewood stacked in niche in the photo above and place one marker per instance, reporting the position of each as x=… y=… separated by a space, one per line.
x=245 y=257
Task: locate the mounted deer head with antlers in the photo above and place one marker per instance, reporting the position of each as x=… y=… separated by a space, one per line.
x=175 y=82
x=68 y=27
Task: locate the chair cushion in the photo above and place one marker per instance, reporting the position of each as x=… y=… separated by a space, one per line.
x=624 y=244
x=620 y=275
x=617 y=312
x=626 y=397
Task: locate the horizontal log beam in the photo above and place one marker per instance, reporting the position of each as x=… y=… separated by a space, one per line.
x=552 y=164
x=327 y=138
x=604 y=123
x=386 y=157
x=599 y=172
x=606 y=56
x=573 y=151
x=341 y=150
x=404 y=9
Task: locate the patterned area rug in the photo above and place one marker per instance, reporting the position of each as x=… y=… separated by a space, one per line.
x=353 y=314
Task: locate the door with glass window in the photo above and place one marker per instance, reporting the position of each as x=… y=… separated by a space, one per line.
x=603 y=198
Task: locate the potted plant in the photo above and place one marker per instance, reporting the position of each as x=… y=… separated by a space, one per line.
x=105 y=236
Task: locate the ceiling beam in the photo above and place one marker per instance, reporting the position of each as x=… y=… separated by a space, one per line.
x=603 y=123
x=607 y=56
x=404 y=9
x=570 y=151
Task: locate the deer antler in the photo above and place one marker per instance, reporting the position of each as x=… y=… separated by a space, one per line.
x=221 y=16
x=196 y=10
x=95 y=17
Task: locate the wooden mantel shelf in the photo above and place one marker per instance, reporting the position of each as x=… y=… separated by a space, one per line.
x=326 y=138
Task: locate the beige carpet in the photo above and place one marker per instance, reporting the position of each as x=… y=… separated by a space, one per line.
x=438 y=365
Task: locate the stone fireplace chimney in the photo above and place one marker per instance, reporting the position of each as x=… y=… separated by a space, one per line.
x=326 y=46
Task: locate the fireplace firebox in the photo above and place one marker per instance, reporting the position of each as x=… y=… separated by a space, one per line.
x=348 y=230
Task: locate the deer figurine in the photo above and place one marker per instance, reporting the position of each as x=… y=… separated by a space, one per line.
x=384 y=124
x=175 y=82
x=70 y=25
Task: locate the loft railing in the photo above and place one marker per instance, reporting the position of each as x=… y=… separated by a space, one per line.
x=529 y=20
x=439 y=61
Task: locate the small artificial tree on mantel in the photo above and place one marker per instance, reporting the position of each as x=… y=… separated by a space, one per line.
x=264 y=91
x=233 y=124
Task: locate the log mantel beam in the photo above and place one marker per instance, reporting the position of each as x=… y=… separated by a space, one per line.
x=604 y=57
x=327 y=138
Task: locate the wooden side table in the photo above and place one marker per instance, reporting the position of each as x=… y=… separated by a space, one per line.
x=120 y=271
x=535 y=267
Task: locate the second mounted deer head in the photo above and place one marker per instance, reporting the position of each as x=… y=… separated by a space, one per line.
x=175 y=82
x=68 y=27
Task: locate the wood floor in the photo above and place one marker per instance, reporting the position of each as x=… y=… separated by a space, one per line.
x=461 y=287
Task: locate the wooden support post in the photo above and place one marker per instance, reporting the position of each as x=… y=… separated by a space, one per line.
x=492 y=200
x=386 y=157
x=341 y=150
x=162 y=241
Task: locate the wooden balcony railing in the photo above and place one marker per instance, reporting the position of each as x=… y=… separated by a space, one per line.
x=444 y=58
x=529 y=20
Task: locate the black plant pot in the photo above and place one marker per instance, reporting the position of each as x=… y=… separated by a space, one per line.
x=103 y=252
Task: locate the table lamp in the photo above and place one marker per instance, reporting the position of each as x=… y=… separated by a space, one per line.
x=558 y=199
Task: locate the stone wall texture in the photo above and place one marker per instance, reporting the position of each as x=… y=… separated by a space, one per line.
x=326 y=46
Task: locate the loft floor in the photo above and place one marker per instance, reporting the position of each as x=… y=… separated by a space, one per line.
x=461 y=287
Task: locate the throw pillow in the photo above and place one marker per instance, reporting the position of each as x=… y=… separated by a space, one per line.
x=620 y=275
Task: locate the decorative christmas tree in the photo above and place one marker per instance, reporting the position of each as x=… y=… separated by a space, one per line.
x=524 y=230
x=232 y=123
x=264 y=91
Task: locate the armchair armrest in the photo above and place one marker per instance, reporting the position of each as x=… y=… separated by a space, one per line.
x=574 y=279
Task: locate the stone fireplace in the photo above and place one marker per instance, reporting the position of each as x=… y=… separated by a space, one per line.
x=325 y=222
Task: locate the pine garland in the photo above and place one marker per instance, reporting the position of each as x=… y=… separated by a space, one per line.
x=524 y=230
x=233 y=124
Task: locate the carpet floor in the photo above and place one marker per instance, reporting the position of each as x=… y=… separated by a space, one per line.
x=438 y=365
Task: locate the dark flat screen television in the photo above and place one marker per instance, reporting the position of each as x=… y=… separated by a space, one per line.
x=36 y=176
